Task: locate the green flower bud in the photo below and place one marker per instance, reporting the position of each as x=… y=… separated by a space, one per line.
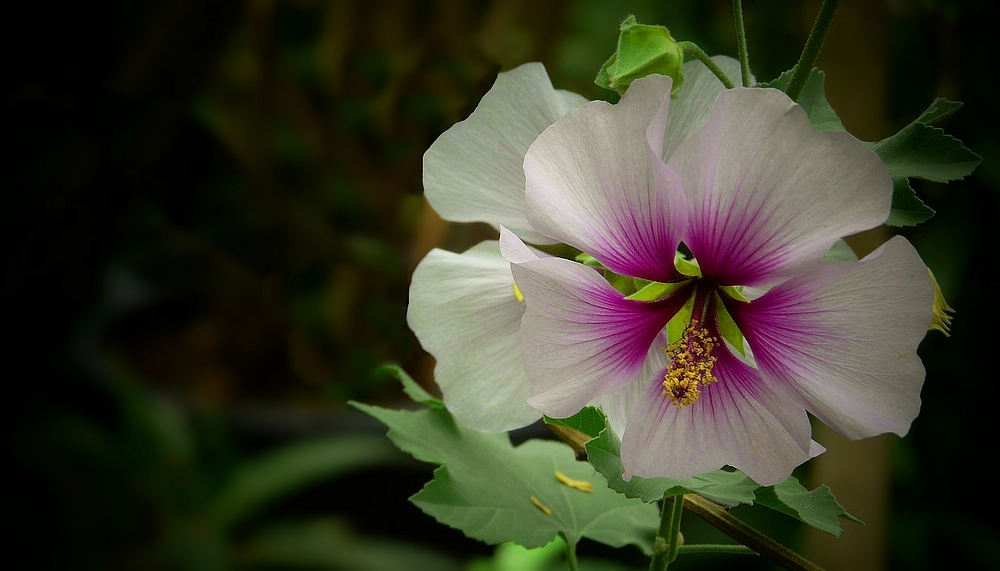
x=642 y=50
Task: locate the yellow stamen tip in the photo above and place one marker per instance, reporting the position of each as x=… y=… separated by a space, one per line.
x=581 y=485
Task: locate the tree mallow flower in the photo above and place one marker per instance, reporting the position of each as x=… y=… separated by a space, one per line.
x=465 y=308
x=757 y=198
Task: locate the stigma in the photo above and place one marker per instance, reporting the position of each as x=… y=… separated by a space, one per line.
x=691 y=365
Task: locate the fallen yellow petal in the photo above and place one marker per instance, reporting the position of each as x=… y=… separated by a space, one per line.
x=575 y=484
x=541 y=507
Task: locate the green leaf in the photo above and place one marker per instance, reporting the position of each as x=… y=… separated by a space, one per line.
x=589 y=421
x=410 y=386
x=817 y=508
x=840 y=252
x=907 y=209
x=939 y=109
x=722 y=487
x=656 y=290
x=926 y=152
x=812 y=100
x=268 y=478
x=495 y=493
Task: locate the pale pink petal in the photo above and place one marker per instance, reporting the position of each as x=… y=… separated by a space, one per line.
x=593 y=182
x=617 y=405
x=473 y=172
x=844 y=337
x=737 y=421
x=768 y=195
x=465 y=313
x=580 y=338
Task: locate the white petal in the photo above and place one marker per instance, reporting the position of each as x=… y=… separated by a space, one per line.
x=690 y=109
x=736 y=421
x=473 y=172
x=767 y=194
x=464 y=312
x=594 y=182
x=845 y=337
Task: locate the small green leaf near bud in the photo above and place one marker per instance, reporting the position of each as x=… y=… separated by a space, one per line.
x=642 y=50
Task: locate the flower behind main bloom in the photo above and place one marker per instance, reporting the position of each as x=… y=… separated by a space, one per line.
x=758 y=198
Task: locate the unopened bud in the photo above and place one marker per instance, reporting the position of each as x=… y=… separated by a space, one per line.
x=642 y=50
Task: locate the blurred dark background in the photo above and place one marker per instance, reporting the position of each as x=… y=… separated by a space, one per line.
x=214 y=211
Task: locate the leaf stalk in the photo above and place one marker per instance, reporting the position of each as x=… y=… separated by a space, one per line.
x=693 y=49
x=741 y=42
x=748 y=536
x=810 y=52
x=668 y=536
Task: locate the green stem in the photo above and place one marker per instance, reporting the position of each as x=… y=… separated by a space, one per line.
x=719 y=517
x=716 y=548
x=675 y=527
x=668 y=536
x=574 y=565
x=741 y=42
x=693 y=49
x=811 y=50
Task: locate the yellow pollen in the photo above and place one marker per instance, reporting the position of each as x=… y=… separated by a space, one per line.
x=517 y=293
x=691 y=365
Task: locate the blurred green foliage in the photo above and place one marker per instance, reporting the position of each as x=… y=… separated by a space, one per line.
x=212 y=212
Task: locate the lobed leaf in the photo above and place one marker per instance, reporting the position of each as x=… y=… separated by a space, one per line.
x=817 y=508
x=939 y=109
x=907 y=209
x=496 y=493
x=926 y=152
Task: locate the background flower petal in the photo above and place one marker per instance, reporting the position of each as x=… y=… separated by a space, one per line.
x=473 y=172
x=768 y=194
x=737 y=421
x=845 y=336
x=593 y=182
x=464 y=312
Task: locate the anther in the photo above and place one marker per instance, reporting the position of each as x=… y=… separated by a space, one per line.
x=691 y=365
